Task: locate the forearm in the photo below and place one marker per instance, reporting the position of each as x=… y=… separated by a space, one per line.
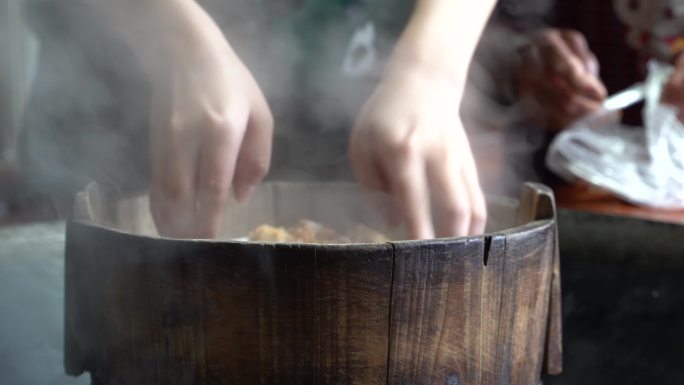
x=445 y=33
x=133 y=17
x=154 y=29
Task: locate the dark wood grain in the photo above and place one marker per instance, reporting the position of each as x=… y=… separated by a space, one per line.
x=436 y=312
x=455 y=320
x=538 y=203
x=353 y=291
x=115 y=307
x=259 y=305
x=181 y=284
x=525 y=300
x=479 y=310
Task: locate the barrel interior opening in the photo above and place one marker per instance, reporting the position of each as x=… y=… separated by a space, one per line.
x=336 y=205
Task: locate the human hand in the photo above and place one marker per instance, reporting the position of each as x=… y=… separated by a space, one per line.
x=558 y=80
x=409 y=142
x=211 y=128
x=673 y=90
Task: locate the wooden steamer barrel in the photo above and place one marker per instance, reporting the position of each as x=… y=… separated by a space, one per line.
x=144 y=310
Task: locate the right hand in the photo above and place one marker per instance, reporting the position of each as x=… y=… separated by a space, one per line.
x=558 y=80
x=211 y=128
x=409 y=142
x=673 y=89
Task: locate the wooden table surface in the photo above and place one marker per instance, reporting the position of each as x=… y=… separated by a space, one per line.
x=585 y=198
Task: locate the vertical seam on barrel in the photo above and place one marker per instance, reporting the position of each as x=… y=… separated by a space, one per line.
x=317 y=318
x=167 y=346
x=504 y=265
x=389 y=318
x=484 y=278
x=552 y=283
x=487 y=248
x=203 y=271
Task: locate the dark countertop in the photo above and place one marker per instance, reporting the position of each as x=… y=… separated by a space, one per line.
x=623 y=300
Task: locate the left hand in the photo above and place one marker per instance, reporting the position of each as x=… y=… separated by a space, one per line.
x=409 y=141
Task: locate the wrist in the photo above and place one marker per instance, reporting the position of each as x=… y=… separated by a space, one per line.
x=407 y=61
x=442 y=35
x=419 y=80
x=418 y=51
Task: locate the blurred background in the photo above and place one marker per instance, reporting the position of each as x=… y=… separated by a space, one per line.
x=18 y=63
x=622 y=264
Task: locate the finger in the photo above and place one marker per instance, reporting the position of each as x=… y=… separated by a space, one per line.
x=549 y=89
x=672 y=89
x=576 y=106
x=679 y=61
x=370 y=175
x=561 y=117
x=216 y=170
x=254 y=158
x=368 y=171
x=478 y=204
x=531 y=62
x=172 y=195
x=581 y=106
x=579 y=46
x=568 y=66
x=410 y=191
x=553 y=91
x=450 y=198
x=364 y=160
x=548 y=103
x=535 y=78
x=561 y=107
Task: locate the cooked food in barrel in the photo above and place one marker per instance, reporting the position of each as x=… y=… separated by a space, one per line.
x=307 y=231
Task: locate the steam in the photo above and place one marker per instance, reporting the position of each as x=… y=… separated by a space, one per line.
x=88 y=116
x=91 y=98
x=31 y=306
x=504 y=142
x=313 y=131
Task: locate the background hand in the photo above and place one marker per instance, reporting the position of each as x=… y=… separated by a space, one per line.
x=673 y=90
x=558 y=79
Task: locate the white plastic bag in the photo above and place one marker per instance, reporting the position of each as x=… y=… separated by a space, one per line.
x=644 y=166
